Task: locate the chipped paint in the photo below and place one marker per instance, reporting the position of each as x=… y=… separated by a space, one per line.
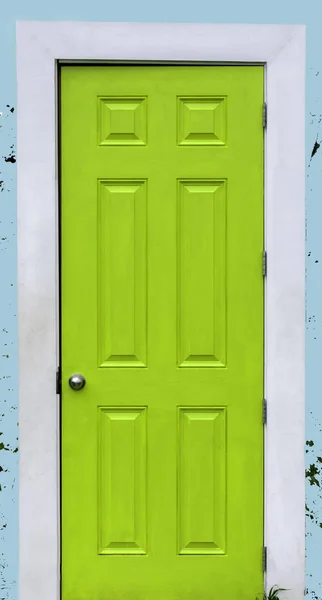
x=8 y=359
x=315 y=148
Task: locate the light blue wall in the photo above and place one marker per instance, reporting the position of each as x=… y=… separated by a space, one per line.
x=228 y=11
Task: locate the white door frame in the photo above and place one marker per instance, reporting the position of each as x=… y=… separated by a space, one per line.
x=281 y=48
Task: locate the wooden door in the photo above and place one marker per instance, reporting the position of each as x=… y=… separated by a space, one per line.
x=162 y=312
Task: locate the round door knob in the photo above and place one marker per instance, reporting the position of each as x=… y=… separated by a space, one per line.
x=77 y=382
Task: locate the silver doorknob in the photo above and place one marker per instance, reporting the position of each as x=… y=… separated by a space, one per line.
x=77 y=382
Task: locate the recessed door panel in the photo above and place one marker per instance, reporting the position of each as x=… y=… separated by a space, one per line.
x=202 y=481
x=122 y=480
x=201 y=273
x=122 y=273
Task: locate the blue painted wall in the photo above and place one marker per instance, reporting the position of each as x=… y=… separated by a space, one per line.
x=230 y=11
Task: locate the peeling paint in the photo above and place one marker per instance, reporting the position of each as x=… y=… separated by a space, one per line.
x=311 y=473
x=8 y=358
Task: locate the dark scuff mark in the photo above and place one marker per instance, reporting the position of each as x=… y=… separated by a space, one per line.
x=10 y=159
x=309 y=443
x=315 y=148
x=8 y=449
x=311 y=514
x=314 y=474
x=312 y=594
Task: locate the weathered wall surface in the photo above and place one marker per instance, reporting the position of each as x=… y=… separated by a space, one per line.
x=230 y=11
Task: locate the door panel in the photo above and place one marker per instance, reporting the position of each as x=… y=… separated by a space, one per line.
x=162 y=312
x=202 y=480
x=122 y=480
x=122 y=273
x=201 y=273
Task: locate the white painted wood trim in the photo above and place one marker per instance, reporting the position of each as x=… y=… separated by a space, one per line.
x=282 y=49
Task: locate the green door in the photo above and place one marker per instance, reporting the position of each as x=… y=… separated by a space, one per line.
x=162 y=312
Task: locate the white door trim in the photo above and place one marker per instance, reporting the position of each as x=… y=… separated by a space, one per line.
x=281 y=48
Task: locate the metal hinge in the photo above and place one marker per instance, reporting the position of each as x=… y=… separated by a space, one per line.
x=264 y=411
x=264 y=263
x=58 y=381
x=264 y=559
x=264 y=115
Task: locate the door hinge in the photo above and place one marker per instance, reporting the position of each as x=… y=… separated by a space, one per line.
x=58 y=381
x=264 y=115
x=264 y=411
x=264 y=559
x=264 y=263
